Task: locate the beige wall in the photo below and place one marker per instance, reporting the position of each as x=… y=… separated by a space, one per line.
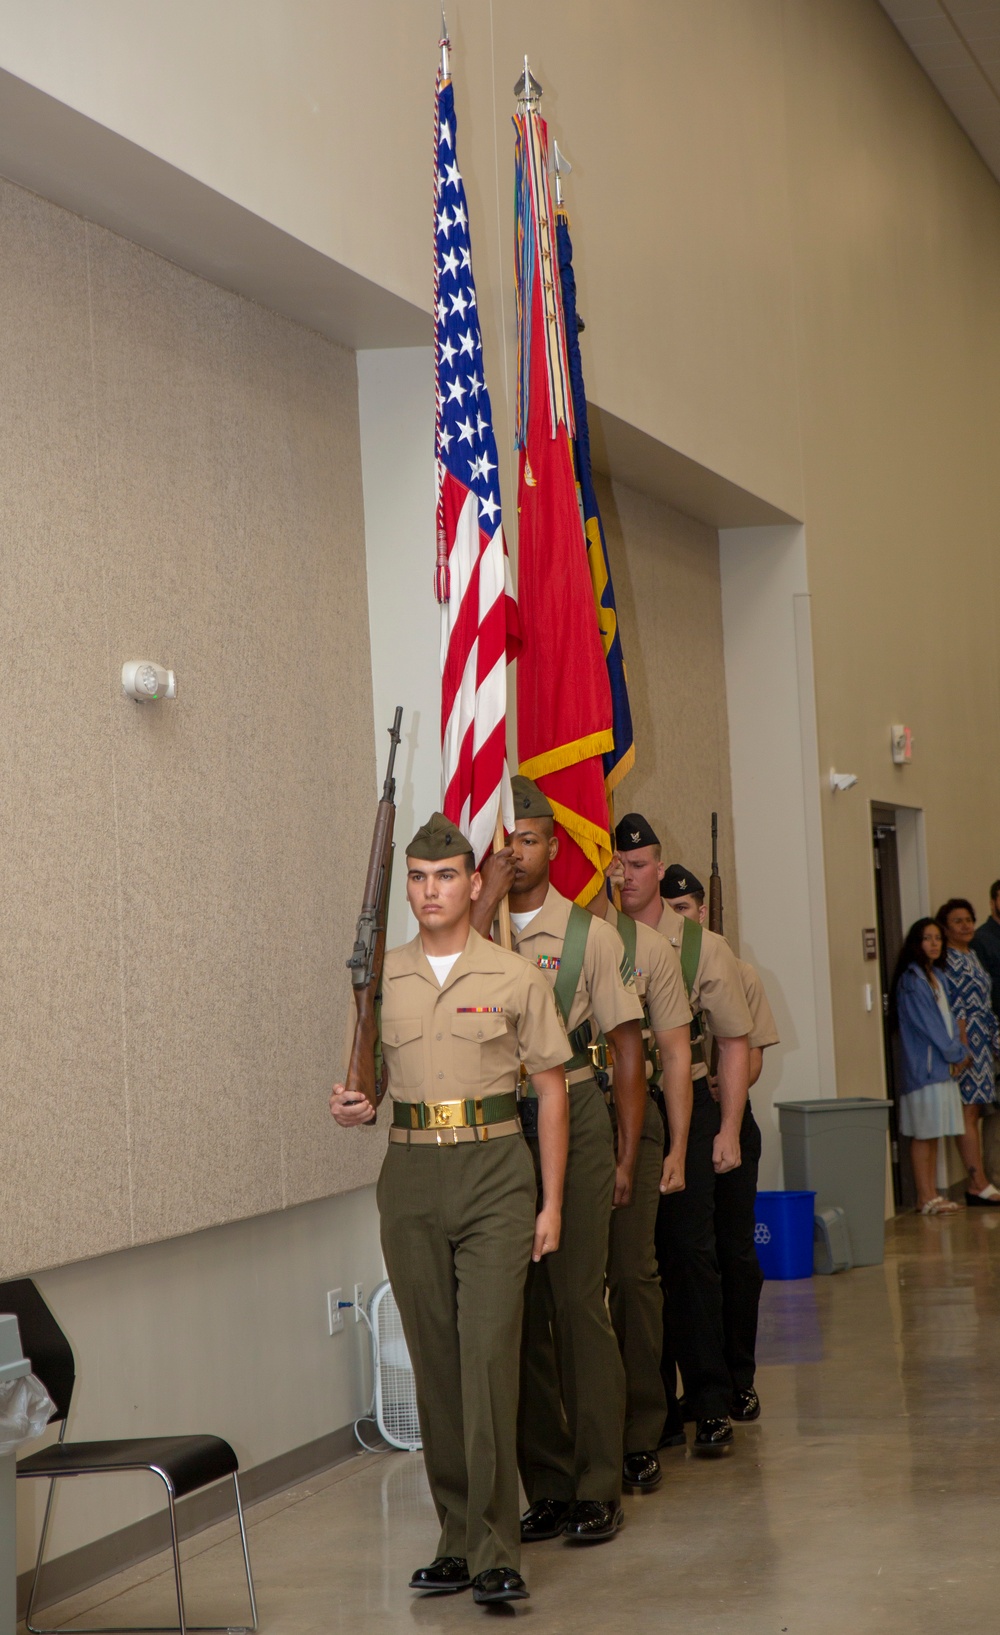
x=182 y=483
x=671 y=112
x=666 y=576
x=896 y=247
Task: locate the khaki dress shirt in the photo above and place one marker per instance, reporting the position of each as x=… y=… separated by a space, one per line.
x=602 y=997
x=717 y=991
x=764 y=1030
x=466 y=1038
x=659 y=981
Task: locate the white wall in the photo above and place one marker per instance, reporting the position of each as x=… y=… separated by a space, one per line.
x=223 y=1331
x=396 y=402
x=772 y=738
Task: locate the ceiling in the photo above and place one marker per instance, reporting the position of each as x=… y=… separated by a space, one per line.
x=957 y=42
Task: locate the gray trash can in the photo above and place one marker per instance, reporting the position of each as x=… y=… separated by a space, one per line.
x=837 y=1149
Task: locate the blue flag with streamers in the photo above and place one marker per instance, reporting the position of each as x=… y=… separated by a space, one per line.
x=621 y=759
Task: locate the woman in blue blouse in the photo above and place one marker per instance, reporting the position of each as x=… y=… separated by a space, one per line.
x=971 y=998
x=932 y=1052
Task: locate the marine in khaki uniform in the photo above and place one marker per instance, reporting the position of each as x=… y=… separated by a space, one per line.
x=693 y=1328
x=463 y=1212
x=736 y=1193
x=635 y=1297
x=573 y=1382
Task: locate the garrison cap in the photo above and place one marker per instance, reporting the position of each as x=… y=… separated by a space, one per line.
x=439 y=838
x=679 y=882
x=634 y=831
x=528 y=799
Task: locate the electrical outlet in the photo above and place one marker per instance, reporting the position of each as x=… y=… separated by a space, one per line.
x=334 y=1315
x=359 y=1300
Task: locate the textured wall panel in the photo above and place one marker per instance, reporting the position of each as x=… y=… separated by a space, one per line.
x=666 y=574
x=183 y=484
x=64 y=1180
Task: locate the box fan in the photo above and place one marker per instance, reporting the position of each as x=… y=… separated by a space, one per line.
x=394 y=1392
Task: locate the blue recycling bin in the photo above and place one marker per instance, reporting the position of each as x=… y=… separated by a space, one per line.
x=784 y=1234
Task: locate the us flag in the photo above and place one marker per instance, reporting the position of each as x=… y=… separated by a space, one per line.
x=479 y=628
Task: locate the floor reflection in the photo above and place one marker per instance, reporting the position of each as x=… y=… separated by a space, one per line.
x=864 y=1502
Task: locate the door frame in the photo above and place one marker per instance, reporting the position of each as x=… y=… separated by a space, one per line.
x=905 y=895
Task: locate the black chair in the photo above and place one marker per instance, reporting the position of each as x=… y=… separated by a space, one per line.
x=184 y=1464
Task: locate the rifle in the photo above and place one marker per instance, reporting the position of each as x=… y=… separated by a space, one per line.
x=715 y=882
x=366 y=1070
x=715 y=918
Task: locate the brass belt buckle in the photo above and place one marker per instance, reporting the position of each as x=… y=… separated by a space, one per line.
x=443 y=1115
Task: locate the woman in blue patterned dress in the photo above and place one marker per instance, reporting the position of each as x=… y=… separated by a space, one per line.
x=970 y=997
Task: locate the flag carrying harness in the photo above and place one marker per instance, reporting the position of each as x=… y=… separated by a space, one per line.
x=691 y=940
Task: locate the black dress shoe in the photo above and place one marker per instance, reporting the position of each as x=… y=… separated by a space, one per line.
x=713 y=1437
x=591 y=1522
x=746 y=1407
x=641 y=1472
x=446 y=1575
x=499 y=1584
x=546 y=1518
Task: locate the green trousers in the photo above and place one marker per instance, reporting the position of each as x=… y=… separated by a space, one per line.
x=635 y=1295
x=572 y=1379
x=457 y=1224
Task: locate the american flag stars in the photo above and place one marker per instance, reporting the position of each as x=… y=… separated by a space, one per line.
x=466 y=444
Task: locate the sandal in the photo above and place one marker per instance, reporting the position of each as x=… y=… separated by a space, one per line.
x=989 y=1198
x=939 y=1206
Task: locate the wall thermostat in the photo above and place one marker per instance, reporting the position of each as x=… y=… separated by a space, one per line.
x=145 y=681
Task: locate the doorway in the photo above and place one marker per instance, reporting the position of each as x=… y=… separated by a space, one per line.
x=900 y=898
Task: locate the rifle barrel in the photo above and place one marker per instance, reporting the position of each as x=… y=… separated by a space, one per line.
x=715 y=883
x=389 y=787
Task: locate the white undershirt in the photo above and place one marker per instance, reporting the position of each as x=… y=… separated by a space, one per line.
x=441 y=965
x=519 y=921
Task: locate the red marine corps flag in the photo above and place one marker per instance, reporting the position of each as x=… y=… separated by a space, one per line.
x=479 y=631
x=564 y=709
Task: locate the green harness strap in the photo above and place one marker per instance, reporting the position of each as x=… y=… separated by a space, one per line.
x=571 y=959
x=690 y=955
x=570 y=967
x=629 y=936
x=627 y=932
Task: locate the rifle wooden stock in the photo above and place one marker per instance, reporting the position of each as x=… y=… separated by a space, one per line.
x=361 y=1068
x=365 y=964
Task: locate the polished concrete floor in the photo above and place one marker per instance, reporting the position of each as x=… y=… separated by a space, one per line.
x=866 y=1501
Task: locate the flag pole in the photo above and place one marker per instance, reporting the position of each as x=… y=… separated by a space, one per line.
x=503 y=912
x=561 y=167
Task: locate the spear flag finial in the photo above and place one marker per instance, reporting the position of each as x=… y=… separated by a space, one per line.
x=527 y=90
